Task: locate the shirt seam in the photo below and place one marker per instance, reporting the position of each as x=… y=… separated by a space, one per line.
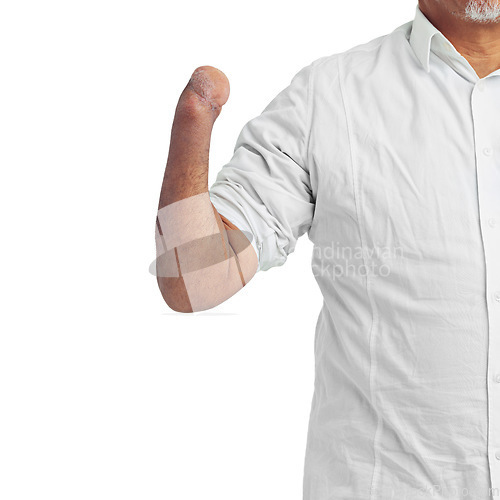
x=373 y=327
x=309 y=122
x=310 y=84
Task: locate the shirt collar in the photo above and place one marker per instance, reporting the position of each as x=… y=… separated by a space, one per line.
x=425 y=37
x=421 y=35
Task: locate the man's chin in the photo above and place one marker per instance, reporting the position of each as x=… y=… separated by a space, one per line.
x=482 y=12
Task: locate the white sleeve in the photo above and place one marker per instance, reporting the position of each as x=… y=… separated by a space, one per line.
x=265 y=188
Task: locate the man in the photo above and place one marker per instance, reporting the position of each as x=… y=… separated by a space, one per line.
x=388 y=156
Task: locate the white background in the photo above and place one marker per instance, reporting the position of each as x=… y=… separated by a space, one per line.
x=105 y=393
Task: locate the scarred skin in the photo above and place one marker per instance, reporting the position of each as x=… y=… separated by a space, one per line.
x=204 y=269
x=200 y=103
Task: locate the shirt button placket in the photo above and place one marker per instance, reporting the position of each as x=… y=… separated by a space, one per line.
x=487 y=136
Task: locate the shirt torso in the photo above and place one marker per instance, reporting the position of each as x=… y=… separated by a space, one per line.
x=406 y=250
x=402 y=148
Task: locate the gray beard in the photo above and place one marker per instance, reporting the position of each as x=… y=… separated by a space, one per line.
x=483 y=11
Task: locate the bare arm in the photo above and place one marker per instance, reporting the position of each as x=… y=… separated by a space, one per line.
x=202 y=258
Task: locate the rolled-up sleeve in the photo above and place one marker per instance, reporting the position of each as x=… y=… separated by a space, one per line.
x=265 y=188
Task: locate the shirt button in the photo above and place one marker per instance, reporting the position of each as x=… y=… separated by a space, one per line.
x=497 y=378
x=492 y=222
x=487 y=151
x=496 y=296
x=497 y=454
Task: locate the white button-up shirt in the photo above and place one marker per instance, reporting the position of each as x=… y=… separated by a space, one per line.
x=388 y=156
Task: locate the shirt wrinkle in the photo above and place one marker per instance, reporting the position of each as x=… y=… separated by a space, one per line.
x=388 y=156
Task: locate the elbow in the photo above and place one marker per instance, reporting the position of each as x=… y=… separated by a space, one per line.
x=174 y=294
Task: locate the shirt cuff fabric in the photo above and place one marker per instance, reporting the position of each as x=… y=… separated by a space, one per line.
x=227 y=205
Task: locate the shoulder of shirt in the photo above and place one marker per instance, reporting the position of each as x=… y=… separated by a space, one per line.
x=359 y=54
